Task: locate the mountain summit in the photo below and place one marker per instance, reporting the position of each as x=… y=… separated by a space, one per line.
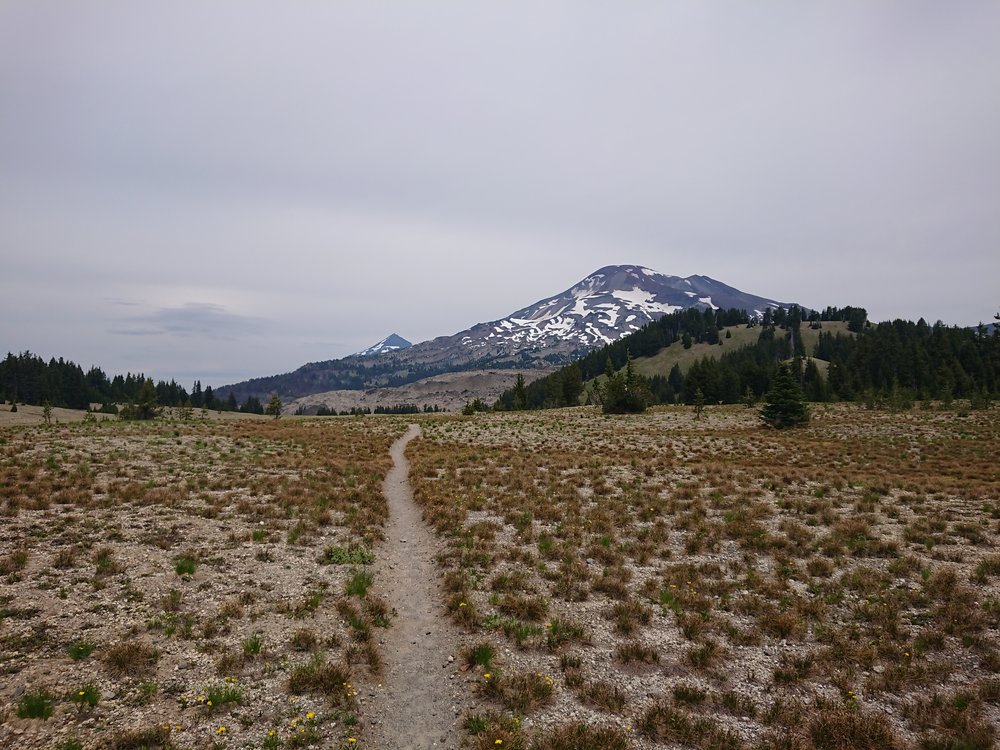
x=391 y=343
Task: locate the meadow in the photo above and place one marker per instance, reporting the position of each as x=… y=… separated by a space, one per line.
x=650 y=581
x=188 y=583
x=672 y=582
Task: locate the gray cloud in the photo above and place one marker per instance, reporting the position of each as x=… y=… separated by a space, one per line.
x=200 y=319
x=344 y=170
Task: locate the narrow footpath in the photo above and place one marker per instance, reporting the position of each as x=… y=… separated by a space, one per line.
x=416 y=703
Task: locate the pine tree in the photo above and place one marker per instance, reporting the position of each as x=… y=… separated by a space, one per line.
x=784 y=404
x=699 y=403
x=520 y=395
x=274 y=406
x=145 y=405
x=623 y=392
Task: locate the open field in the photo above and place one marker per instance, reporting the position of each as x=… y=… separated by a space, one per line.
x=664 y=581
x=713 y=584
x=188 y=584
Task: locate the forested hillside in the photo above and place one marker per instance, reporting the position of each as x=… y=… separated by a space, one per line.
x=898 y=362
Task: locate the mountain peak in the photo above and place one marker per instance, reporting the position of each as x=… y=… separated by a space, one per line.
x=391 y=343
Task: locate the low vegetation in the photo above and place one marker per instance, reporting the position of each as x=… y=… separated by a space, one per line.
x=730 y=586
x=197 y=568
x=618 y=581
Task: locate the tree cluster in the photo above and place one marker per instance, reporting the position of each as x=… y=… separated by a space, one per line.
x=624 y=392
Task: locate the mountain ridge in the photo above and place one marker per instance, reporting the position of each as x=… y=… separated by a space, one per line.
x=601 y=308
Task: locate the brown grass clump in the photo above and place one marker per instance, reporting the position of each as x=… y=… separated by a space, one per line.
x=521 y=692
x=850 y=729
x=131 y=659
x=317 y=676
x=581 y=737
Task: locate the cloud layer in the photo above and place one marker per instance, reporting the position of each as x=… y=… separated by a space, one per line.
x=268 y=184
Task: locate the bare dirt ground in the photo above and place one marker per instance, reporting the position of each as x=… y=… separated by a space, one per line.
x=419 y=701
x=449 y=391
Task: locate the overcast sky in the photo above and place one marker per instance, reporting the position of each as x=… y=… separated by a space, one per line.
x=220 y=190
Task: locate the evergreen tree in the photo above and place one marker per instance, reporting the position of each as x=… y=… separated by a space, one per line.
x=252 y=406
x=624 y=392
x=572 y=385
x=274 y=406
x=520 y=397
x=145 y=405
x=784 y=404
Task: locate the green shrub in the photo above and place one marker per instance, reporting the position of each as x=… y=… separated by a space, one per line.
x=35 y=705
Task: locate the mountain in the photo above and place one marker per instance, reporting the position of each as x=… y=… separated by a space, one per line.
x=392 y=342
x=605 y=306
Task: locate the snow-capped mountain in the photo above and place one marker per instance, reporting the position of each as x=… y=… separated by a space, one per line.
x=611 y=303
x=391 y=343
x=607 y=305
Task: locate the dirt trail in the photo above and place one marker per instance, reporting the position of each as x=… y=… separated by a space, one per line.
x=417 y=704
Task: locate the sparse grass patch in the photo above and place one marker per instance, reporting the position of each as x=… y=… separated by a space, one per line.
x=253 y=645
x=85 y=697
x=78 y=650
x=13 y=562
x=603 y=695
x=355 y=554
x=634 y=651
x=186 y=564
x=359 y=583
x=35 y=704
x=480 y=655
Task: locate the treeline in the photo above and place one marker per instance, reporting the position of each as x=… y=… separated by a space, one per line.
x=898 y=362
x=893 y=362
x=28 y=379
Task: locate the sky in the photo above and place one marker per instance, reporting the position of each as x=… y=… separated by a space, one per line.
x=224 y=190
